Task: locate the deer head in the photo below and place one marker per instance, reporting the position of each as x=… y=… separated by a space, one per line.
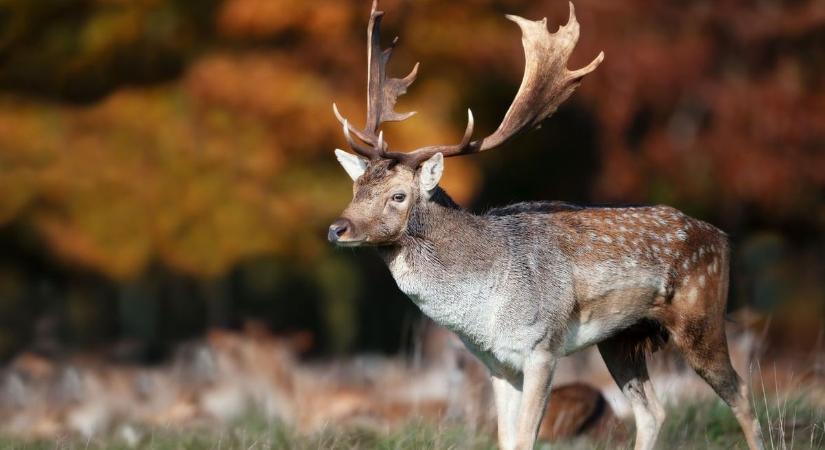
x=389 y=184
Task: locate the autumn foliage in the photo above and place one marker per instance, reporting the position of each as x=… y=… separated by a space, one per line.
x=197 y=136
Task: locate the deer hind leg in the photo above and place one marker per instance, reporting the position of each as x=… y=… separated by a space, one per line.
x=697 y=326
x=626 y=360
x=704 y=345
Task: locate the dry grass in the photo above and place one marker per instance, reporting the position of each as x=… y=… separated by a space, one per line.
x=790 y=423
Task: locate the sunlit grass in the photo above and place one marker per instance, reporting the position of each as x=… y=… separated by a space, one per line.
x=794 y=424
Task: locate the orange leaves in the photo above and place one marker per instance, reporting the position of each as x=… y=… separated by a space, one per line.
x=230 y=157
x=288 y=101
x=139 y=176
x=259 y=19
x=719 y=103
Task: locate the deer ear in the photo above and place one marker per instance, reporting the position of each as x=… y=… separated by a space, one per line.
x=431 y=171
x=354 y=165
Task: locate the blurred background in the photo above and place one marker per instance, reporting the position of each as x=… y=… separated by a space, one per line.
x=166 y=166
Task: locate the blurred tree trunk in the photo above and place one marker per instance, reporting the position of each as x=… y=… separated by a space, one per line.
x=218 y=298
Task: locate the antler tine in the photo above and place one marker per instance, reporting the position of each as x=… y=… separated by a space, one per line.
x=363 y=150
x=382 y=92
x=380 y=144
x=416 y=157
x=343 y=120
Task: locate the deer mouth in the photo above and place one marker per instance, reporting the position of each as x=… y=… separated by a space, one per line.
x=352 y=243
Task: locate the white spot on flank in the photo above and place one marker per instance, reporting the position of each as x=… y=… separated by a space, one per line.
x=702 y=280
x=681 y=235
x=685 y=264
x=692 y=295
x=663 y=289
x=607 y=239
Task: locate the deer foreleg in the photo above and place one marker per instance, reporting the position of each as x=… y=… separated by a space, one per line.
x=538 y=373
x=508 y=402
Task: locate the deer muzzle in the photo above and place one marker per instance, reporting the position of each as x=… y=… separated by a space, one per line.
x=338 y=229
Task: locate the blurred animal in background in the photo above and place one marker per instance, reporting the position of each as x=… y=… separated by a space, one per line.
x=228 y=374
x=525 y=285
x=579 y=409
x=215 y=380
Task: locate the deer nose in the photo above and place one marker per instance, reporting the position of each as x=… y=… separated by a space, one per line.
x=337 y=229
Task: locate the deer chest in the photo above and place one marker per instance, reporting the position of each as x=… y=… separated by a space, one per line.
x=497 y=328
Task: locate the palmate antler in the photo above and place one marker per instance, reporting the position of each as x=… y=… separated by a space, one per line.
x=546 y=84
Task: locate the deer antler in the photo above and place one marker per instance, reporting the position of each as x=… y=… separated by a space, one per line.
x=546 y=84
x=382 y=92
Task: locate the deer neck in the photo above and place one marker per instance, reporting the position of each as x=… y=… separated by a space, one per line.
x=441 y=242
x=445 y=264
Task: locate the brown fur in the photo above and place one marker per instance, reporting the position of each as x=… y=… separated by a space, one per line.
x=577 y=409
x=689 y=255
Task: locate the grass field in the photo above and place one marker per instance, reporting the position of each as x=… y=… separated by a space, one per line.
x=794 y=424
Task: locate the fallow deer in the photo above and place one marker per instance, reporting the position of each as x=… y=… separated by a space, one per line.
x=529 y=283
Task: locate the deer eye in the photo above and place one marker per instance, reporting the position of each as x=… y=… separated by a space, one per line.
x=398 y=198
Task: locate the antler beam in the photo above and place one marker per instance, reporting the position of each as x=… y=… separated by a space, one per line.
x=382 y=92
x=546 y=84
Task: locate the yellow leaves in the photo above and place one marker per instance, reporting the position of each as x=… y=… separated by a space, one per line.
x=291 y=101
x=111 y=237
x=153 y=174
x=231 y=161
x=217 y=230
x=109 y=29
x=16 y=190
x=25 y=148
x=141 y=174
